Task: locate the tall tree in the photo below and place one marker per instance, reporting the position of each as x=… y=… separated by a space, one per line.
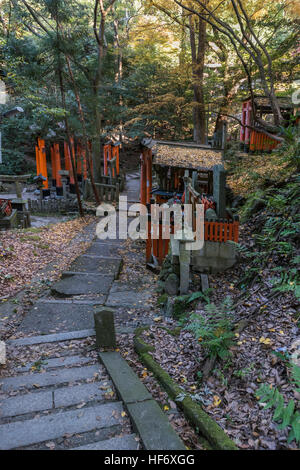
x=248 y=46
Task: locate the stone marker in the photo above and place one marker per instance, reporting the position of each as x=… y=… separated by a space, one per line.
x=105 y=328
x=219 y=189
x=184 y=260
x=2 y=353
x=204 y=282
x=171 y=284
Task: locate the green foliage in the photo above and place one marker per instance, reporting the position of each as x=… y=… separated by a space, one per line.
x=242 y=373
x=214 y=329
x=286 y=415
x=288 y=282
x=184 y=303
x=291 y=146
x=279 y=223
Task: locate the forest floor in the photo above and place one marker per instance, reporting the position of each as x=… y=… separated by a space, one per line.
x=228 y=395
x=31 y=259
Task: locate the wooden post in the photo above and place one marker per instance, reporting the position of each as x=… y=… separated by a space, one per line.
x=143 y=180
x=252 y=137
x=37 y=158
x=43 y=162
x=107 y=156
x=57 y=165
x=79 y=159
x=68 y=163
x=148 y=158
x=53 y=165
x=115 y=153
x=236 y=231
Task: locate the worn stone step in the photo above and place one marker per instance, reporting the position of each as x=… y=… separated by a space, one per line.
x=60 y=376
x=44 y=318
x=56 y=362
x=70 y=301
x=110 y=241
x=34 y=431
x=52 y=400
x=99 y=265
x=128 y=299
x=53 y=338
x=102 y=249
x=126 y=442
x=80 y=284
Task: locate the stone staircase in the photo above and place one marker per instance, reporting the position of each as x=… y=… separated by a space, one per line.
x=64 y=399
x=68 y=403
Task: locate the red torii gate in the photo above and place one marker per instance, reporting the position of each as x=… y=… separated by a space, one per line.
x=41 y=164
x=56 y=165
x=111 y=151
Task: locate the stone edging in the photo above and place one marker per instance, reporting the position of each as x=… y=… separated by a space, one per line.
x=148 y=419
x=215 y=435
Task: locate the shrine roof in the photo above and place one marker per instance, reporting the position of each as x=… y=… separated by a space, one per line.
x=189 y=156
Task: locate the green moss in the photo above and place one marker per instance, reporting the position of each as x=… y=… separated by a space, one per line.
x=33 y=229
x=209 y=429
x=162 y=300
x=174 y=332
x=139 y=344
x=180 y=307
x=30 y=238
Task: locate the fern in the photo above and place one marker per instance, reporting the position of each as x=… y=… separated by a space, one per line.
x=214 y=330
x=284 y=415
x=287 y=282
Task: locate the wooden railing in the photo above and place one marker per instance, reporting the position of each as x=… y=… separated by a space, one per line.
x=261 y=142
x=221 y=231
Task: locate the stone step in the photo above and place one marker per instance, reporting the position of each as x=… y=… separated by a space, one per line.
x=56 y=362
x=82 y=284
x=109 y=241
x=102 y=249
x=70 y=301
x=128 y=299
x=47 y=379
x=45 y=318
x=98 y=265
x=52 y=400
x=34 y=431
x=53 y=338
x=127 y=442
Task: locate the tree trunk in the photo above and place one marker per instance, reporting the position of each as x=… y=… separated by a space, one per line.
x=85 y=138
x=69 y=143
x=198 y=53
x=119 y=72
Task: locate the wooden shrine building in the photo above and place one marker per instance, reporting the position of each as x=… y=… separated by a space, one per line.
x=189 y=174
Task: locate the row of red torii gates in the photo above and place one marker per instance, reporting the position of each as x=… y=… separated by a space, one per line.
x=79 y=157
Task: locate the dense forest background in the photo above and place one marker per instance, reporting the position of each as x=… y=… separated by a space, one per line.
x=168 y=69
